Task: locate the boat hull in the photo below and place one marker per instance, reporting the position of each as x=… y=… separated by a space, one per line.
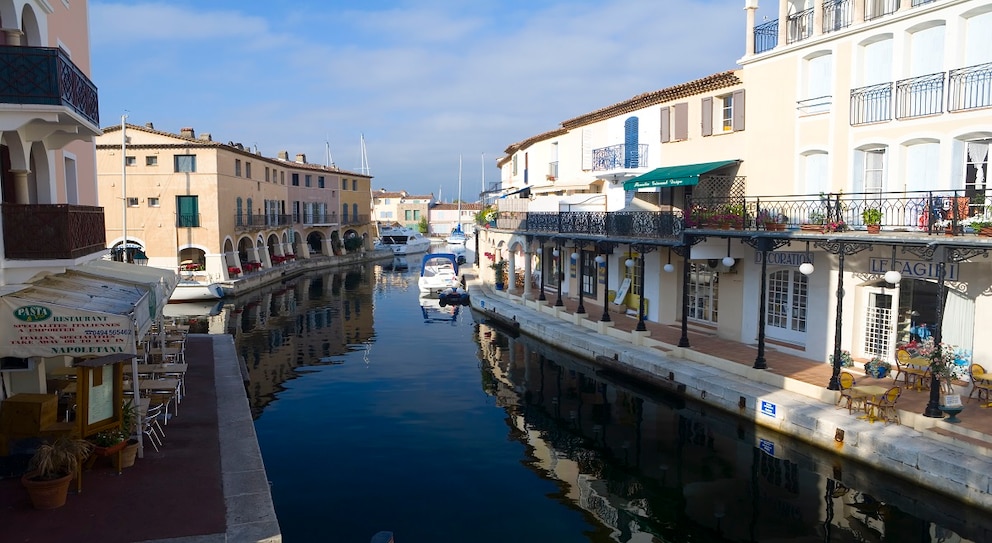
x=189 y=292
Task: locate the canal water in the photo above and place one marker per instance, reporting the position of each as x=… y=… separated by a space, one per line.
x=376 y=410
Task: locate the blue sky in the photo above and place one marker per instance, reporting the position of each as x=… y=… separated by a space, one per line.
x=425 y=81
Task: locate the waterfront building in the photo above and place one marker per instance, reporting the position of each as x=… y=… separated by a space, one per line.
x=224 y=209
x=385 y=206
x=745 y=218
x=53 y=242
x=444 y=218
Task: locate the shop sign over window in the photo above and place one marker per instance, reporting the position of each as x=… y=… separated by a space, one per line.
x=917 y=269
x=785 y=258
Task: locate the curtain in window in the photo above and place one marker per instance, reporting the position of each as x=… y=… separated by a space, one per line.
x=958 y=326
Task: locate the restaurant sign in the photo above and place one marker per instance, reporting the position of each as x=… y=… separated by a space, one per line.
x=917 y=269
x=36 y=329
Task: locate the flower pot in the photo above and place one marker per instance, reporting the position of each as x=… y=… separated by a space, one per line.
x=499 y=286
x=772 y=226
x=128 y=455
x=49 y=494
x=985 y=232
x=811 y=227
x=874 y=228
x=878 y=373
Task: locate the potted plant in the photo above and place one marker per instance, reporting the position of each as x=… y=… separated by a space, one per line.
x=845 y=359
x=877 y=367
x=872 y=218
x=772 y=220
x=52 y=468
x=129 y=425
x=500 y=268
x=980 y=224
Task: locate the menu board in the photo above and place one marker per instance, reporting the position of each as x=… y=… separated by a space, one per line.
x=101 y=394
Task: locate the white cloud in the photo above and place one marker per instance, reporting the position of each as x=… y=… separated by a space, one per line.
x=425 y=82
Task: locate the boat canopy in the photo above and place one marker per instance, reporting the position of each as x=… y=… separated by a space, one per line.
x=441 y=256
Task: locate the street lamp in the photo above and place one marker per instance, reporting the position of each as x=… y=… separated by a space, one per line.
x=556 y=253
x=544 y=270
x=577 y=257
x=602 y=261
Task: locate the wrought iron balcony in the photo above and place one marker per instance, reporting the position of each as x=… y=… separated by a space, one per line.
x=920 y=96
x=354 y=219
x=800 y=26
x=619 y=157
x=765 y=36
x=243 y=222
x=837 y=15
x=919 y=213
x=970 y=88
x=46 y=76
x=871 y=104
x=52 y=231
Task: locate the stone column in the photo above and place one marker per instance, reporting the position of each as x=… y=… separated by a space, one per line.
x=511 y=273
x=751 y=6
x=22 y=192
x=13 y=36
x=783 y=23
x=818 y=17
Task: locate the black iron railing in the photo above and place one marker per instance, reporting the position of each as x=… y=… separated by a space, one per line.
x=46 y=76
x=765 y=36
x=970 y=88
x=837 y=15
x=871 y=104
x=920 y=96
x=927 y=212
x=616 y=157
x=247 y=222
x=800 y=26
x=879 y=8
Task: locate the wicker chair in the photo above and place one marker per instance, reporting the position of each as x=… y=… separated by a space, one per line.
x=981 y=383
x=884 y=407
x=850 y=402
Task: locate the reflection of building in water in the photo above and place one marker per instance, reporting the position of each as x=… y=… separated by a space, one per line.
x=312 y=320
x=646 y=464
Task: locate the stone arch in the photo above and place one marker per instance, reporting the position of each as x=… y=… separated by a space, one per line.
x=41 y=177
x=272 y=246
x=31 y=25
x=315 y=243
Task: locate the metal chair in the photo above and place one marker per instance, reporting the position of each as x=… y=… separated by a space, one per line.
x=912 y=375
x=980 y=383
x=846 y=382
x=884 y=407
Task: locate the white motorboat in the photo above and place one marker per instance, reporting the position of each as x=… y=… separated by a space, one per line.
x=438 y=272
x=195 y=288
x=457 y=237
x=404 y=241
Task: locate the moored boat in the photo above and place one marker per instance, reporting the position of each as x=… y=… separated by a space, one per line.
x=438 y=272
x=404 y=241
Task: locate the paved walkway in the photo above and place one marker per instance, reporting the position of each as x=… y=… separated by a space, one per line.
x=950 y=458
x=206 y=484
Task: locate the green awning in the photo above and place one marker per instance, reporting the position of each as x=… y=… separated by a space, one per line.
x=675 y=176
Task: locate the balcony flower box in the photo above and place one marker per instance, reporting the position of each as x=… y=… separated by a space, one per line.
x=233 y=271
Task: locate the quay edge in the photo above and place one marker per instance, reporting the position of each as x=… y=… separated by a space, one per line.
x=957 y=468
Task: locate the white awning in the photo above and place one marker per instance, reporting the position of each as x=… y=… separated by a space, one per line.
x=160 y=282
x=72 y=316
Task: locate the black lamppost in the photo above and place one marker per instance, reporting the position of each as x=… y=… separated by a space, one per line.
x=605 y=262
x=581 y=310
x=759 y=360
x=544 y=271
x=684 y=338
x=557 y=254
x=933 y=404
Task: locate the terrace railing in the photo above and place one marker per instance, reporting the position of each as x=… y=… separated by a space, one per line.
x=921 y=212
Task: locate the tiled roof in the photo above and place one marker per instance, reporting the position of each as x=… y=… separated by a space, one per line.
x=187 y=142
x=709 y=83
x=389 y=194
x=454 y=207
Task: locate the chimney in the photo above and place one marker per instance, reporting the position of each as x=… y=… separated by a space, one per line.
x=206 y=137
x=150 y=126
x=301 y=158
x=187 y=132
x=283 y=155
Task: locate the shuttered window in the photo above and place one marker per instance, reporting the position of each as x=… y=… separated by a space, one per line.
x=188 y=211
x=666 y=130
x=707 y=116
x=681 y=122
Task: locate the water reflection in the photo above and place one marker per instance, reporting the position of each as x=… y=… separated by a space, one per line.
x=651 y=466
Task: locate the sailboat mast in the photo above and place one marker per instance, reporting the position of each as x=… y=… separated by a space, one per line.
x=458 y=220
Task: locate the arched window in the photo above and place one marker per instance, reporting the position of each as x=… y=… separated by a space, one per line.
x=249 y=211
x=239 y=221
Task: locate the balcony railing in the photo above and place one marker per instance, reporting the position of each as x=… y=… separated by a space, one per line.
x=871 y=104
x=249 y=222
x=354 y=219
x=53 y=231
x=800 y=26
x=879 y=8
x=970 y=88
x=765 y=36
x=837 y=15
x=920 y=96
x=46 y=76
x=619 y=157
x=316 y=218
x=922 y=212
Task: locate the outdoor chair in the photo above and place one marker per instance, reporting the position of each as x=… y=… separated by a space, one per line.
x=150 y=426
x=846 y=382
x=981 y=383
x=884 y=406
x=913 y=375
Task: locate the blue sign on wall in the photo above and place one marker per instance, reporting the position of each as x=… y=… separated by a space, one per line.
x=768 y=408
x=767 y=446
